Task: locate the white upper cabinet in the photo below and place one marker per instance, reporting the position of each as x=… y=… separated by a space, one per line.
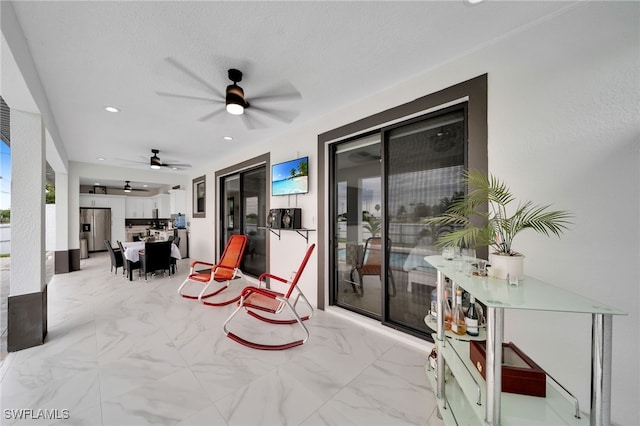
x=178 y=201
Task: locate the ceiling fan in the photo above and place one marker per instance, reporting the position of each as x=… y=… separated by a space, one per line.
x=156 y=163
x=128 y=188
x=236 y=103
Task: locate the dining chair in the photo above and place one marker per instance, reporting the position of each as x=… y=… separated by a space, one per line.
x=258 y=301
x=155 y=256
x=128 y=265
x=115 y=255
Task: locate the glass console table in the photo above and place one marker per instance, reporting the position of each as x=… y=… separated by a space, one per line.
x=464 y=400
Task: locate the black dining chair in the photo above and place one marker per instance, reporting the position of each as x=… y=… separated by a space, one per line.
x=128 y=265
x=155 y=256
x=116 y=256
x=174 y=261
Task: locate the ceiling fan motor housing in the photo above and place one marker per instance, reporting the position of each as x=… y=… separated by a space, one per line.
x=235 y=95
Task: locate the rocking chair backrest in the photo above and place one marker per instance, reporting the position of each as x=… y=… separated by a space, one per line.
x=294 y=282
x=231 y=256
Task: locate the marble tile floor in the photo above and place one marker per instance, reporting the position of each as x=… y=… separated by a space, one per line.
x=135 y=353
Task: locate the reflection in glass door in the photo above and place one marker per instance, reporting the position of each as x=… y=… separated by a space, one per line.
x=357 y=225
x=243 y=211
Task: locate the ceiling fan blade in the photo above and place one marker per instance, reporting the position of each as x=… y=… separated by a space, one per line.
x=251 y=122
x=195 y=98
x=283 y=92
x=279 y=115
x=211 y=114
x=177 y=166
x=194 y=76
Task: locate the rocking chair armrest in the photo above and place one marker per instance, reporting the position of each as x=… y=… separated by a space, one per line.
x=275 y=277
x=201 y=262
x=263 y=291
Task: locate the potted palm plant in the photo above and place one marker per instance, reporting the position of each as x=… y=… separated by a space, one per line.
x=481 y=218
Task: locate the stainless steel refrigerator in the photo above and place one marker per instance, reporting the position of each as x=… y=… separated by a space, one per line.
x=95 y=227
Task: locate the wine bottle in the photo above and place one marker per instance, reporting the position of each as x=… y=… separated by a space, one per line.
x=448 y=315
x=458 y=324
x=471 y=319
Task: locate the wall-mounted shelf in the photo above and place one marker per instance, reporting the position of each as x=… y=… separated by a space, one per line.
x=303 y=232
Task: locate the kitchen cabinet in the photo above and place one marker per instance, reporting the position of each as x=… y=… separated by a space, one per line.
x=178 y=201
x=117 y=205
x=134 y=207
x=464 y=397
x=162 y=202
x=94 y=200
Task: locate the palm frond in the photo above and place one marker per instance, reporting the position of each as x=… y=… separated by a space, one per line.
x=480 y=218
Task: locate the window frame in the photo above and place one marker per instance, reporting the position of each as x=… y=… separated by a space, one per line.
x=198 y=182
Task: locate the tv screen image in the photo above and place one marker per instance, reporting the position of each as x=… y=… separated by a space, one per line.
x=290 y=177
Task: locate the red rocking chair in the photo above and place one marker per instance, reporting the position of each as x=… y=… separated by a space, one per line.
x=227 y=269
x=260 y=299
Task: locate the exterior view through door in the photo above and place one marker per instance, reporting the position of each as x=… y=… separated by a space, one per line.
x=384 y=185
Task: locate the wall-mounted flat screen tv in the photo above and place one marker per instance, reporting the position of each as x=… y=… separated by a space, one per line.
x=290 y=177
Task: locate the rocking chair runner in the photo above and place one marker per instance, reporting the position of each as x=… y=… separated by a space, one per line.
x=255 y=299
x=227 y=269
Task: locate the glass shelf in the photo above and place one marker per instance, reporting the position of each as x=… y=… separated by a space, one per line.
x=530 y=294
x=432 y=324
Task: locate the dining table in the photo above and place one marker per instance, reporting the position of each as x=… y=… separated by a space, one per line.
x=132 y=253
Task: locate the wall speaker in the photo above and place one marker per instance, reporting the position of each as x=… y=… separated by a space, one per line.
x=274 y=220
x=291 y=218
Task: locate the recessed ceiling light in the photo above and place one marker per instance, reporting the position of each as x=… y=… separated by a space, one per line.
x=96 y=183
x=228 y=138
x=111 y=109
x=474 y=1
x=100 y=158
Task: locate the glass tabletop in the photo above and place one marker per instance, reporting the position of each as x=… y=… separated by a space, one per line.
x=529 y=294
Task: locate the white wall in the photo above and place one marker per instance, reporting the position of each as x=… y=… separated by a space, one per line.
x=563 y=129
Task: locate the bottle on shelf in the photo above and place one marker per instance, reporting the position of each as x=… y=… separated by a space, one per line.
x=434 y=303
x=448 y=314
x=472 y=317
x=458 y=324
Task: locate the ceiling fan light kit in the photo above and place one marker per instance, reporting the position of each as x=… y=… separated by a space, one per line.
x=235 y=101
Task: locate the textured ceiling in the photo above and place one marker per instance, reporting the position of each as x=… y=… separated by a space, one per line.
x=92 y=54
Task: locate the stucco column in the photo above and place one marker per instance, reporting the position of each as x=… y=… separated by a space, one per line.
x=62 y=263
x=27 y=305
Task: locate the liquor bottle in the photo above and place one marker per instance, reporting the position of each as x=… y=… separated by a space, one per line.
x=471 y=319
x=458 y=324
x=448 y=315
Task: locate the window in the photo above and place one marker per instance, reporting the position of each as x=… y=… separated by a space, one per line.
x=199 y=196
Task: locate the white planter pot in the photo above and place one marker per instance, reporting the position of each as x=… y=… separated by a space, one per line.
x=501 y=266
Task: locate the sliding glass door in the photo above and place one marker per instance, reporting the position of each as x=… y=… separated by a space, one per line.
x=424 y=163
x=384 y=185
x=357 y=225
x=243 y=211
